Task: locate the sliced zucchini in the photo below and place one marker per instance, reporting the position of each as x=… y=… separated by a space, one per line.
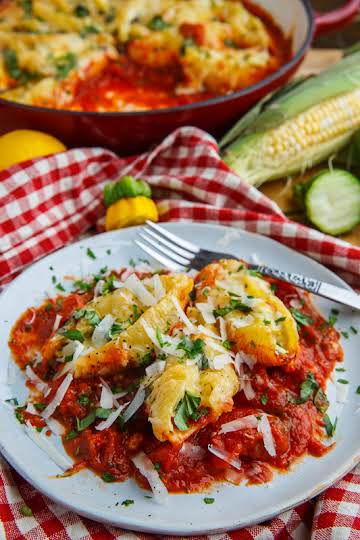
x=332 y=201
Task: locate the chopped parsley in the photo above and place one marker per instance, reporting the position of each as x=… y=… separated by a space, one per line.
x=160 y=339
x=209 y=500
x=102 y=413
x=13 y=69
x=354 y=330
x=308 y=387
x=301 y=318
x=235 y=305
x=157 y=23
x=108 y=251
x=40 y=406
x=330 y=427
x=345 y=334
x=115 y=330
x=335 y=311
x=332 y=320
x=83 y=399
x=89 y=29
x=146 y=359
x=85 y=422
x=206 y=291
x=73 y=335
x=107 y=477
x=230 y=43
x=82 y=285
x=157 y=466
x=340 y=369
x=273 y=287
x=263 y=399
x=280 y=319
x=53 y=279
x=64 y=64
x=188 y=408
x=227 y=344
x=89 y=314
x=321 y=401
x=127 y=502
x=90 y=253
x=71 y=435
x=60 y=287
x=26 y=511
x=358 y=390
x=81 y=11
x=27 y=7
x=343 y=381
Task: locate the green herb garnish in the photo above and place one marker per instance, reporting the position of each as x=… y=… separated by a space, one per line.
x=73 y=335
x=83 y=399
x=81 y=11
x=209 y=500
x=235 y=305
x=330 y=427
x=157 y=23
x=71 y=435
x=127 y=502
x=308 y=387
x=263 y=399
x=90 y=253
x=64 y=64
x=343 y=381
x=301 y=318
x=85 y=422
x=107 y=477
x=187 y=409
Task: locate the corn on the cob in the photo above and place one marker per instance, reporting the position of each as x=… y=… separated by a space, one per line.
x=286 y=135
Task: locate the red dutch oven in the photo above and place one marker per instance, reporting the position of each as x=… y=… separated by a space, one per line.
x=130 y=133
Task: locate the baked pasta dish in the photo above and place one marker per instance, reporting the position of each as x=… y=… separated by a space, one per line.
x=129 y=55
x=179 y=382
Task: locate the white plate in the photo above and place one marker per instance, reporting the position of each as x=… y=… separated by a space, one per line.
x=184 y=514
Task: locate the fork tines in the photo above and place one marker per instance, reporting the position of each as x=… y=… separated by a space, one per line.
x=167 y=248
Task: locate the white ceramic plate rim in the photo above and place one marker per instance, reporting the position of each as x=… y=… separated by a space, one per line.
x=128 y=521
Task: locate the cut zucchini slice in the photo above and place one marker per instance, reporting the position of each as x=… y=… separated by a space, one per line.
x=332 y=202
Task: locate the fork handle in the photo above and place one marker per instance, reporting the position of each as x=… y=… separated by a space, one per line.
x=321 y=288
x=309 y=284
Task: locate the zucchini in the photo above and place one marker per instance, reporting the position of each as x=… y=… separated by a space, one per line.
x=332 y=201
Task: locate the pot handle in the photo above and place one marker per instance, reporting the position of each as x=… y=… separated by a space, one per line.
x=325 y=22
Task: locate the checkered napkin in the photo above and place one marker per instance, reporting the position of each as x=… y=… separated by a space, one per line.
x=47 y=203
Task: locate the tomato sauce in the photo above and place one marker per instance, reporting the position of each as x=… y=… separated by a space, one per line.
x=297 y=426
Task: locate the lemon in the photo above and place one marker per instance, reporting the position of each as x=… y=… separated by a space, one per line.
x=22 y=144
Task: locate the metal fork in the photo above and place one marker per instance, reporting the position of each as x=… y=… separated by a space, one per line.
x=178 y=254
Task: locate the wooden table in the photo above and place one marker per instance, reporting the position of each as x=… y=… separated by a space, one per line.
x=281 y=190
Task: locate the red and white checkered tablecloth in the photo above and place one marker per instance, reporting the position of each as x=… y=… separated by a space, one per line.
x=47 y=203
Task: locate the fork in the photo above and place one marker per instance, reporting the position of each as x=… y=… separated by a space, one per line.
x=178 y=254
